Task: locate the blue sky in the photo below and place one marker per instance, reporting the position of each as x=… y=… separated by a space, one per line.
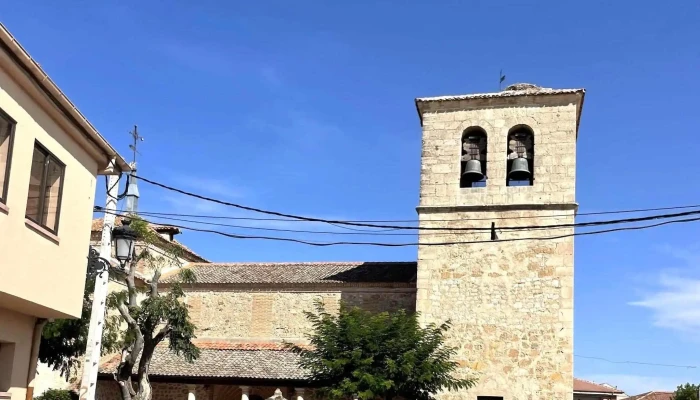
x=308 y=107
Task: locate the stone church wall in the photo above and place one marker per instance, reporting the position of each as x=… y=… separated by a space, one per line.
x=277 y=313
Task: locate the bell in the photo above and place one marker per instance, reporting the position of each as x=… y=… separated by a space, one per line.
x=519 y=170
x=472 y=171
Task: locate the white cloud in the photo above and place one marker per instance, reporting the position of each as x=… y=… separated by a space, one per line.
x=636 y=384
x=674 y=298
x=212 y=186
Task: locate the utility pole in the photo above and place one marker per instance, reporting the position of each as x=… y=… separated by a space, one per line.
x=93 y=349
x=132 y=190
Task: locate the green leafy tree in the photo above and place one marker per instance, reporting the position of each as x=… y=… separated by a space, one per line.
x=359 y=354
x=686 y=392
x=63 y=341
x=56 y=394
x=157 y=317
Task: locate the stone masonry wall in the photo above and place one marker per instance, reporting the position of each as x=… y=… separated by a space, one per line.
x=278 y=313
x=511 y=303
x=553 y=121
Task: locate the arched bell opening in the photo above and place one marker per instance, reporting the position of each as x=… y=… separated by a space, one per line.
x=521 y=156
x=473 y=160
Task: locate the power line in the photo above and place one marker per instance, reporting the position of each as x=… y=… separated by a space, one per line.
x=382 y=244
x=340 y=222
x=510 y=228
x=635 y=362
x=375 y=233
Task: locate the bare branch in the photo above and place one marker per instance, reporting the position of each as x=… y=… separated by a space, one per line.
x=154 y=283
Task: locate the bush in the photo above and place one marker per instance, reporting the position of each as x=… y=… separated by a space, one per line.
x=55 y=394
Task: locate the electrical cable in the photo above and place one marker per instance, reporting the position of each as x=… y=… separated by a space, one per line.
x=535 y=227
x=381 y=233
x=381 y=244
x=635 y=362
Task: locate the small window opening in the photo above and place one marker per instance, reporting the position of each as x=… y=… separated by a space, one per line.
x=489 y=397
x=473 y=161
x=521 y=157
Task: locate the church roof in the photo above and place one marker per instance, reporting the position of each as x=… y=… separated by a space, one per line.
x=301 y=272
x=221 y=359
x=519 y=89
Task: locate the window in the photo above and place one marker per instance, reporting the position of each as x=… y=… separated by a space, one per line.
x=521 y=156
x=45 y=187
x=489 y=398
x=473 y=160
x=7 y=127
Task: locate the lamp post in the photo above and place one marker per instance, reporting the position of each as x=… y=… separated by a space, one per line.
x=124 y=238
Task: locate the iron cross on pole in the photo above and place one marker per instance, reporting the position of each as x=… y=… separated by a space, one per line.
x=137 y=138
x=501 y=78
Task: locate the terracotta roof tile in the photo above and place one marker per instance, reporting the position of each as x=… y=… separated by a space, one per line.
x=655 y=395
x=302 y=272
x=221 y=359
x=581 y=385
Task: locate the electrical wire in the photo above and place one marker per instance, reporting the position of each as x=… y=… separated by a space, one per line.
x=208 y=216
x=636 y=362
x=382 y=233
x=382 y=244
x=292 y=217
x=527 y=227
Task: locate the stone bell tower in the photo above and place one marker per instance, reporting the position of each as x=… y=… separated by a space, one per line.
x=496 y=161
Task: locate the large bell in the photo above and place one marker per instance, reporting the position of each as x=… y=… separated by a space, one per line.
x=472 y=171
x=519 y=170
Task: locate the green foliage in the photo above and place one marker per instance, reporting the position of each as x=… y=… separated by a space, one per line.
x=55 y=394
x=63 y=341
x=686 y=392
x=378 y=356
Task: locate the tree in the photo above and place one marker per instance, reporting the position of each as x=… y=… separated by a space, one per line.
x=63 y=341
x=157 y=317
x=359 y=354
x=56 y=394
x=686 y=392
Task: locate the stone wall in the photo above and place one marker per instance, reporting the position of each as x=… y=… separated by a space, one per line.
x=511 y=303
x=277 y=313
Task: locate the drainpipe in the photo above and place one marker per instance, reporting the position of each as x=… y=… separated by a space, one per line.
x=34 y=356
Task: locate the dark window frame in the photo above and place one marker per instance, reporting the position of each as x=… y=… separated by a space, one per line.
x=10 y=145
x=42 y=193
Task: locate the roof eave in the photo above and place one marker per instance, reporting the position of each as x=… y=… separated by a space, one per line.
x=61 y=101
x=501 y=95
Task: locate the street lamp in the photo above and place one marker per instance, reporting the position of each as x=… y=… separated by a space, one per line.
x=124 y=238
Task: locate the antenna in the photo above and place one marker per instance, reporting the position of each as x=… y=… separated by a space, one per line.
x=137 y=138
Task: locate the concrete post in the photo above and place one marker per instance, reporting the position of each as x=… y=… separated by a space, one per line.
x=191 y=392
x=88 y=382
x=245 y=392
x=300 y=393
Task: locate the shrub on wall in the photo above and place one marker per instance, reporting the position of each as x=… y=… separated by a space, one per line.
x=55 y=394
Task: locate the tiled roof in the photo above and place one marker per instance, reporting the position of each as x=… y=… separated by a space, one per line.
x=220 y=359
x=98 y=223
x=511 y=91
x=581 y=385
x=652 y=396
x=302 y=272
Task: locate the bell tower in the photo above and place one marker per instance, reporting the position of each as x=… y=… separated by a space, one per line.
x=503 y=160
